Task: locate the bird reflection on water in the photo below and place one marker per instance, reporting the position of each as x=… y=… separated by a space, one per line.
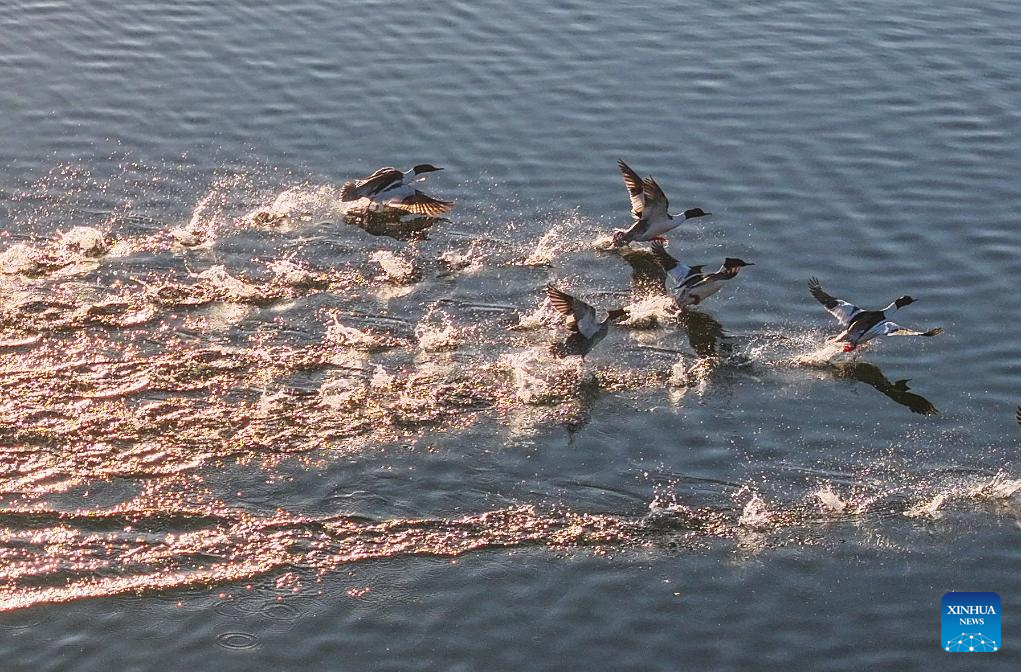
x=871 y=375
x=391 y=225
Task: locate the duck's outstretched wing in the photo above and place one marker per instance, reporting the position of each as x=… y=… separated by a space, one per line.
x=421 y=204
x=635 y=189
x=894 y=329
x=581 y=317
x=373 y=184
x=683 y=276
x=838 y=308
x=656 y=203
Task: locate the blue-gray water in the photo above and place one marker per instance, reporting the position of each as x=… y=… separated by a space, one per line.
x=234 y=442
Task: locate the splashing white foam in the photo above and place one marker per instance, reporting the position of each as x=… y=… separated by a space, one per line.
x=467 y=262
x=221 y=315
x=1000 y=487
x=217 y=278
x=83 y=241
x=822 y=354
x=553 y=243
x=543 y=316
x=19 y=259
x=199 y=231
x=395 y=268
x=603 y=242
x=380 y=378
x=755 y=514
x=299 y=204
x=290 y=273
x=649 y=312
x=693 y=376
x=340 y=389
x=829 y=500
x=536 y=377
x=928 y=508
x=341 y=334
x=435 y=332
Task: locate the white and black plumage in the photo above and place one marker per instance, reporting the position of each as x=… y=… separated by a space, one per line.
x=1017 y=416
x=582 y=319
x=860 y=325
x=681 y=275
x=700 y=287
x=393 y=188
x=649 y=208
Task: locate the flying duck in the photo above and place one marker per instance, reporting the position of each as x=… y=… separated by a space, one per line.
x=582 y=320
x=692 y=287
x=392 y=188
x=864 y=325
x=710 y=283
x=682 y=276
x=649 y=208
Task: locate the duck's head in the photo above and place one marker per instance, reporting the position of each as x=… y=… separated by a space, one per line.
x=423 y=168
x=731 y=262
x=903 y=301
x=695 y=212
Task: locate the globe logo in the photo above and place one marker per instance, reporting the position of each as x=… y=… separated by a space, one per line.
x=971 y=642
x=970 y=623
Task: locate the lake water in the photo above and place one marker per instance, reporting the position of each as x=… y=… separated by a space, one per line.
x=239 y=431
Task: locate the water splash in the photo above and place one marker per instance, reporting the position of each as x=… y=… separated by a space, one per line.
x=755 y=515
x=560 y=237
x=436 y=331
x=83 y=241
x=538 y=378
x=929 y=508
x=396 y=269
x=222 y=283
x=829 y=500
x=21 y=259
x=1000 y=487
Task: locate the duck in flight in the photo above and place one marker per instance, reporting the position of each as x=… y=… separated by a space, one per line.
x=581 y=319
x=649 y=207
x=861 y=326
x=393 y=188
x=691 y=285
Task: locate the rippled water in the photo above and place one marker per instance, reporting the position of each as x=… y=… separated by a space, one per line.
x=240 y=428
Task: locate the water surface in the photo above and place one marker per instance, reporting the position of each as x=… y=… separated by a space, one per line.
x=257 y=442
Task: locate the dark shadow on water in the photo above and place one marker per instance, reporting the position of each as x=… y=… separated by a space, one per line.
x=871 y=375
x=392 y=225
x=706 y=335
x=647 y=277
x=576 y=344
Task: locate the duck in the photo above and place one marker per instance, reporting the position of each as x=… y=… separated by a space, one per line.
x=692 y=286
x=861 y=326
x=682 y=276
x=581 y=319
x=393 y=188
x=649 y=208
x=710 y=283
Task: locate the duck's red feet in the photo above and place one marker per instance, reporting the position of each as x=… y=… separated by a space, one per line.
x=848 y=347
